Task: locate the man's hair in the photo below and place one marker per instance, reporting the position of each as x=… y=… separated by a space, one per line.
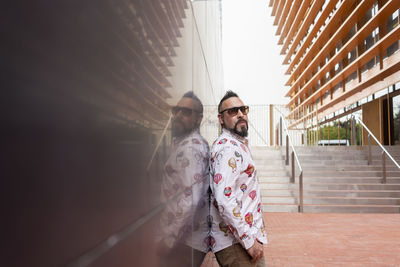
x=191 y=95
x=227 y=95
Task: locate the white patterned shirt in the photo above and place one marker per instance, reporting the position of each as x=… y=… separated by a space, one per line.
x=236 y=201
x=185 y=191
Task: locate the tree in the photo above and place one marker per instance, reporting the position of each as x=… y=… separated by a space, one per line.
x=329 y=132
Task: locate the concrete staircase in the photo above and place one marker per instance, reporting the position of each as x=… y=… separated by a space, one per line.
x=336 y=179
x=278 y=194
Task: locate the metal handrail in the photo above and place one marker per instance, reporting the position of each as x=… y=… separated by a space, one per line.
x=384 y=151
x=294 y=157
x=291 y=144
x=290 y=138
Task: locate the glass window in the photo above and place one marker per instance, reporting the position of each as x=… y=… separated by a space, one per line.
x=392 y=49
x=369 y=41
x=381 y=93
x=393 y=21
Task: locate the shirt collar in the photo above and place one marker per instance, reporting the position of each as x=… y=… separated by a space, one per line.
x=241 y=139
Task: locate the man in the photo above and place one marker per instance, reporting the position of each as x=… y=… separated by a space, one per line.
x=238 y=226
x=184 y=227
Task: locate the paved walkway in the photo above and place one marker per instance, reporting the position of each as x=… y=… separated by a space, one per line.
x=319 y=239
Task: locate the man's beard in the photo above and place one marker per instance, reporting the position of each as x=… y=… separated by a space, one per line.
x=244 y=129
x=179 y=130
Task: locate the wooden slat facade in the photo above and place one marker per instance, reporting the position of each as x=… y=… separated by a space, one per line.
x=289 y=20
x=301 y=14
x=147 y=33
x=337 y=53
x=282 y=18
x=280 y=7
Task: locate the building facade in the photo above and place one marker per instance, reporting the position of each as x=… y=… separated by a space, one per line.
x=343 y=59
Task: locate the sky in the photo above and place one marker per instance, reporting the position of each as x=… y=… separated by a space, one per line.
x=251 y=55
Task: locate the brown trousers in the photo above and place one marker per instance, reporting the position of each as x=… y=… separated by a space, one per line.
x=237 y=256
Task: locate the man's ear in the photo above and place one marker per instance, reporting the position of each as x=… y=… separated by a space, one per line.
x=220 y=118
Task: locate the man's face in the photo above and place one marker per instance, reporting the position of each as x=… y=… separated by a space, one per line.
x=186 y=117
x=237 y=123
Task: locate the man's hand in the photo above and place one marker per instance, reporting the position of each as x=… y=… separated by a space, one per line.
x=256 y=251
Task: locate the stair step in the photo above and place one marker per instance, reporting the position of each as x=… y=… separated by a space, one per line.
x=274 y=179
x=279 y=200
x=271 y=162
x=394 y=174
x=317 y=167
x=281 y=173
x=330 y=208
x=351 y=180
x=280 y=208
x=334 y=200
x=330 y=157
x=278 y=192
x=277 y=186
x=331 y=193
x=330 y=186
x=336 y=162
x=268 y=169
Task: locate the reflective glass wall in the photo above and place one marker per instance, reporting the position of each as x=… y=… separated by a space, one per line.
x=86 y=94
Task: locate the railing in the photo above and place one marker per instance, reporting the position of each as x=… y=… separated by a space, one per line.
x=384 y=151
x=289 y=142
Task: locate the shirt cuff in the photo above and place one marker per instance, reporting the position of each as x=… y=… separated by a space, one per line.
x=247 y=241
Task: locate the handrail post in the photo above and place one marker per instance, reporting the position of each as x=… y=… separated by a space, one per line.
x=383 y=167
x=293 y=169
x=301 y=192
x=369 y=150
x=280 y=131
x=287 y=150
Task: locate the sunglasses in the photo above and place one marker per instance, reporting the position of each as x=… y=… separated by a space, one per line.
x=234 y=111
x=185 y=111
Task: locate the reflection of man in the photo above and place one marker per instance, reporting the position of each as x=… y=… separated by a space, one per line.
x=238 y=226
x=184 y=227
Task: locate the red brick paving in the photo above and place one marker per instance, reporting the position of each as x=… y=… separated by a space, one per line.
x=319 y=239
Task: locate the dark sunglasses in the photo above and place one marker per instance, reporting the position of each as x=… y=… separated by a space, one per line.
x=185 y=111
x=234 y=111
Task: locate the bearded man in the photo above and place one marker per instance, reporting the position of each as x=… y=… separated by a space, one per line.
x=184 y=230
x=238 y=226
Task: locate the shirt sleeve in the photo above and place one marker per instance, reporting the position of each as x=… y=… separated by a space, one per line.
x=225 y=186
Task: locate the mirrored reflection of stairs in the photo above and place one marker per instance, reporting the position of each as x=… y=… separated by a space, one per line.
x=336 y=179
